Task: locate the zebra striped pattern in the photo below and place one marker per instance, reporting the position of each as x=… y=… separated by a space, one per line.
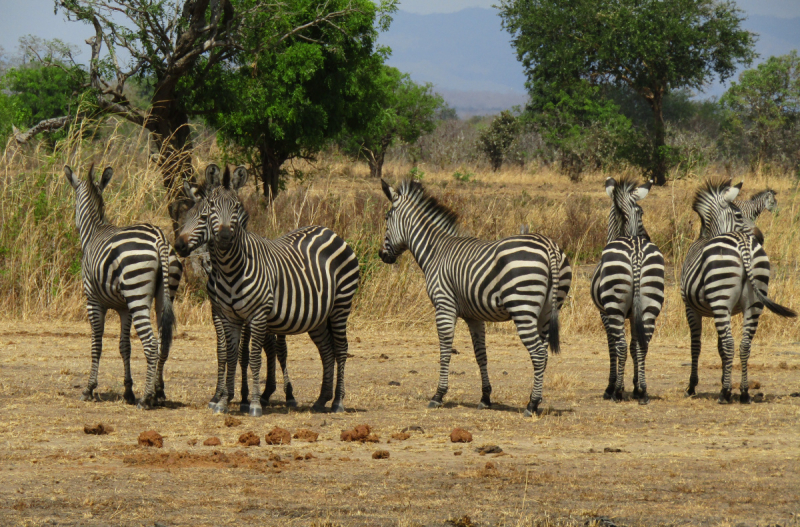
x=758 y=203
x=272 y=346
x=125 y=269
x=303 y=282
x=523 y=278
x=726 y=272
x=628 y=283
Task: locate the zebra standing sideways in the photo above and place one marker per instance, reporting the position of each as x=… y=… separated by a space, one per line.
x=758 y=203
x=303 y=282
x=628 y=283
x=272 y=345
x=726 y=272
x=125 y=269
x=523 y=278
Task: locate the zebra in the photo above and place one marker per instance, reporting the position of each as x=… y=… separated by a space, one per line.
x=302 y=282
x=726 y=272
x=758 y=203
x=523 y=278
x=272 y=345
x=125 y=269
x=628 y=283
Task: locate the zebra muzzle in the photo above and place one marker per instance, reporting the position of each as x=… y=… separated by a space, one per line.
x=386 y=257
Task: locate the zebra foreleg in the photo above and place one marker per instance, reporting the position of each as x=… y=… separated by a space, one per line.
x=283 y=352
x=270 y=352
x=233 y=334
x=97 y=319
x=612 y=356
x=750 y=323
x=477 y=330
x=723 y=323
x=244 y=362
x=696 y=329
x=222 y=355
x=141 y=321
x=125 y=352
x=324 y=341
x=529 y=334
x=258 y=332
x=445 y=324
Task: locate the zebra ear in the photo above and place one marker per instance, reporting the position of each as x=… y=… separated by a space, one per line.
x=611 y=184
x=389 y=191
x=105 y=178
x=642 y=192
x=193 y=191
x=73 y=180
x=733 y=192
x=213 y=176
x=239 y=178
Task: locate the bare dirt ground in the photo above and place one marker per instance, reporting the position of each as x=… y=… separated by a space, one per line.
x=680 y=461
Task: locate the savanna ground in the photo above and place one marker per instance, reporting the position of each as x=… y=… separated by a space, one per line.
x=680 y=461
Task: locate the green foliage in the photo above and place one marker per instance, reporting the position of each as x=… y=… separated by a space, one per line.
x=651 y=46
x=464 y=177
x=763 y=112
x=416 y=174
x=497 y=138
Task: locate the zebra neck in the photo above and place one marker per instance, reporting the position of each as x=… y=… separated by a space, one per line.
x=88 y=228
x=424 y=242
x=618 y=229
x=232 y=260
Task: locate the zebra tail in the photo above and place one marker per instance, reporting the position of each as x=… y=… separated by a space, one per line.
x=747 y=259
x=555 y=272
x=638 y=315
x=167 y=321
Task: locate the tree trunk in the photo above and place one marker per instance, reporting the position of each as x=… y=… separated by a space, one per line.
x=375 y=161
x=659 y=139
x=271 y=163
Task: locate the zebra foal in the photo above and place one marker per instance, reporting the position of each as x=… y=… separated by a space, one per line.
x=758 y=203
x=523 y=278
x=303 y=282
x=125 y=269
x=628 y=283
x=726 y=272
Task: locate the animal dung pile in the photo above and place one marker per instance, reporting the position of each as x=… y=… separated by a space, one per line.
x=212 y=441
x=380 y=454
x=249 y=439
x=278 y=436
x=361 y=433
x=99 y=430
x=489 y=449
x=459 y=435
x=401 y=436
x=151 y=438
x=304 y=434
x=232 y=421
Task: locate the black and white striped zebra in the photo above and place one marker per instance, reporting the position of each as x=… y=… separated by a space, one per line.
x=628 y=283
x=523 y=278
x=273 y=346
x=726 y=272
x=125 y=269
x=302 y=282
x=758 y=203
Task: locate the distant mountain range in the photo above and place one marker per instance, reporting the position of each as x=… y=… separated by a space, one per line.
x=471 y=62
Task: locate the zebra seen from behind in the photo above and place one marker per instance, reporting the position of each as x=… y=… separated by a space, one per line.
x=522 y=278
x=125 y=269
x=273 y=346
x=726 y=272
x=302 y=282
x=628 y=283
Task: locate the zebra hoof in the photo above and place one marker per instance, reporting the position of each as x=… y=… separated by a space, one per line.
x=484 y=406
x=744 y=398
x=644 y=400
x=291 y=403
x=244 y=407
x=337 y=408
x=220 y=408
x=129 y=397
x=90 y=396
x=608 y=395
x=255 y=411
x=318 y=408
x=434 y=404
x=528 y=413
x=689 y=392
x=143 y=406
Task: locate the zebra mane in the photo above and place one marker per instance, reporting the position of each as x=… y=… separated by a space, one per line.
x=439 y=214
x=627 y=182
x=762 y=194
x=95 y=197
x=711 y=187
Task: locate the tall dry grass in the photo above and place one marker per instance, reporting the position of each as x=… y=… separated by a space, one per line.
x=40 y=252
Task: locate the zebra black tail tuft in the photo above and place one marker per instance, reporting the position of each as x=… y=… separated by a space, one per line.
x=167 y=320
x=638 y=315
x=775 y=307
x=555 y=273
x=747 y=258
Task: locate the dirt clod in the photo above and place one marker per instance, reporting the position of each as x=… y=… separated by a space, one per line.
x=191 y=442
x=309 y=456
x=611 y=450
x=401 y=436
x=212 y=441
x=413 y=428
x=98 y=430
x=490 y=466
x=304 y=434
x=394 y=383
x=464 y=521
x=489 y=449
x=278 y=436
x=383 y=356
x=361 y=433
x=459 y=435
x=457 y=453
x=380 y=454
x=232 y=421
x=249 y=439
x=151 y=438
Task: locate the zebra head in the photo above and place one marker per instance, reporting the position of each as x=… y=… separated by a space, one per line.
x=89 y=204
x=713 y=202
x=226 y=213
x=625 y=218
x=394 y=242
x=194 y=232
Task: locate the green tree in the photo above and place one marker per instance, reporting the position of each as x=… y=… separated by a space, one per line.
x=288 y=101
x=498 y=137
x=763 y=110
x=391 y=107
x=651 y=46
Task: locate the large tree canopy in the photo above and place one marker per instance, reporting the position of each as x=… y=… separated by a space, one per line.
x=652 y=46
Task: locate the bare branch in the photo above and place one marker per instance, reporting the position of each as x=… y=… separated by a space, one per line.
x=48 y=125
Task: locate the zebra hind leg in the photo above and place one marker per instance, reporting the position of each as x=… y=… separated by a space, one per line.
x=270 y=352
x=141 y=321
x=97 y=319
x=283 y=352
x=477 y=330
x=529 y=334
x=338 y=329
x=612 y=356
x=750 y=319
x=125 y=352
x=636 y=393
x=723 y=324
x=696 y=329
